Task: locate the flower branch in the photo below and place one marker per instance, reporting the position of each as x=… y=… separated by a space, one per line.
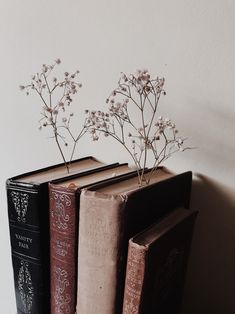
x=56 y=97
x=146 y=138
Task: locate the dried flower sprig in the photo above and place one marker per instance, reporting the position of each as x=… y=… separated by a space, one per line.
x=56 y=97
x=131 y=120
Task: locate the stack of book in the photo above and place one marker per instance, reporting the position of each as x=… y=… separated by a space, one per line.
x=93 y=241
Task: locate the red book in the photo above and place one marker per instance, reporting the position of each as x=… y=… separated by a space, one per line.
x=156 y=265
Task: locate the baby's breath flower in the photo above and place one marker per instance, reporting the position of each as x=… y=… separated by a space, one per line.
x=44 y=84
x=44 y=68
x=142 y=135
x=57 y=61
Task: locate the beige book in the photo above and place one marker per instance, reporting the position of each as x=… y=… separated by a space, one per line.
x=110 y=214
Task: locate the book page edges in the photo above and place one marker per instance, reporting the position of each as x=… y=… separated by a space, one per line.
x=86 y=193
x=130 y=185
x=54 y=172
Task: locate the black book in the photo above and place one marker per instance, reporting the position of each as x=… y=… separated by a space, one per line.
x=28 y=212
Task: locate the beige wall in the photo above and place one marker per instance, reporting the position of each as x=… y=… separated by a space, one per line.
x=192 y=44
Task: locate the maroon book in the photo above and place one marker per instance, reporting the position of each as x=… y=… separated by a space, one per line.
x=156 y=265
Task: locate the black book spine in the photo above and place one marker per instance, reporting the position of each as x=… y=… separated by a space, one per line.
x=29 y=232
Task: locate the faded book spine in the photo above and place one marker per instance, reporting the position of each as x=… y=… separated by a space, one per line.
x=106 y=223
x=30 y=251
x=100 y=235
x=156 y=268
x=134 y=278
x=63 y=249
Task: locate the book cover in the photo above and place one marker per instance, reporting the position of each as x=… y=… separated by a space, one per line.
x=156 y=265
x=110 y=214
x=64 y=214
x=28 y=213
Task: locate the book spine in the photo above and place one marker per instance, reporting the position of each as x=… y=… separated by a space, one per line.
x=99 y=253
x=106 y=224
x=63 y=249
x=134 y=278
x=28 y=227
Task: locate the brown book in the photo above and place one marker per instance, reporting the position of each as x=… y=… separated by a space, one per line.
x=28 y=213
x=110 y=214
x=64 y=213
x=156 y=265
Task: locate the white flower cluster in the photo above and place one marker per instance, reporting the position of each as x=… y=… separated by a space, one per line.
x=46 y=89
x=96 y=122
x=131 y=120
x=142 y=82
x=55 y=96
x=131 y=116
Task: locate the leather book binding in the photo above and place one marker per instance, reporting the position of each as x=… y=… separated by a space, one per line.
x=156 y=265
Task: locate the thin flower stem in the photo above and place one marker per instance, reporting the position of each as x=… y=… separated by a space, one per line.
x=43 y=100
x=123 y=144
x=48 y=88
x=52 y=111
x=61 y=152
x=130 y=97
x=151 y=138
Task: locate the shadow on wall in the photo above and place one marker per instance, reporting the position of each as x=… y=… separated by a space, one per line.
x=210 y=282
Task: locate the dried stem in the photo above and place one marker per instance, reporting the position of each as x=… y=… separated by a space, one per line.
x=141 y=140
x=55 y=113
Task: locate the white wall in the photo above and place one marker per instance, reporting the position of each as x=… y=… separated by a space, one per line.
x=192 y=44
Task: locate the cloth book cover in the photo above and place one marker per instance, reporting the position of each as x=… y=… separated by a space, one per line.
x=64 y=198
x=28 y=212
x=110 y=214
x=156 y=265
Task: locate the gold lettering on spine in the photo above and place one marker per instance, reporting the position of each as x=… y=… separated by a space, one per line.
x=58 y=213
x=62 y=299
x=20 y=201
x=25 y=286
x=134 y=280
x=23 y=241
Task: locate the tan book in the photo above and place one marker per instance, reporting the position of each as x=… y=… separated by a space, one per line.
x=156 y=265
x=110 y=214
